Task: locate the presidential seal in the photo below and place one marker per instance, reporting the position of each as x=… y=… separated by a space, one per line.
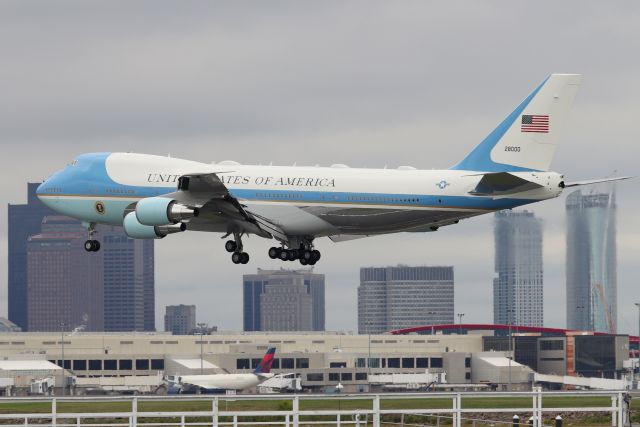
x=100 y=208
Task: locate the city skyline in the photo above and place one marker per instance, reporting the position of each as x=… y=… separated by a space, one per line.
x=518 y=288
x=393 y=90
x=55 y=284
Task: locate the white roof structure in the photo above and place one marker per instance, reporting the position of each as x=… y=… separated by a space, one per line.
x=28 y=365
x=195 y=364
x=499 y=361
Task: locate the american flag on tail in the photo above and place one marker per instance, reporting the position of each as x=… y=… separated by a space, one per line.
x=534 y=123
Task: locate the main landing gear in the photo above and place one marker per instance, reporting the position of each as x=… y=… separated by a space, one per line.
x=91 y=245
x=305 y=254
x=235 y=246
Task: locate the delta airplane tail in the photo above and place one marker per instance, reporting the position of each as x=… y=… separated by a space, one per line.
x=527 y=139
x=265 y=365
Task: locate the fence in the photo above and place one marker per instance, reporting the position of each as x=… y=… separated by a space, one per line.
x=305 y=409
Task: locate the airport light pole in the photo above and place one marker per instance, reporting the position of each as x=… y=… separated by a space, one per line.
x=510 y=322
x=460 y=316
x=369 y=358
x=201 y=328
x=62 y=356
x=637 y=304
x=510 y=356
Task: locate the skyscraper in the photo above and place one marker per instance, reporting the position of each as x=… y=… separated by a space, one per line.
x=129 y=284
x=592 y=300
x=126 y=279
x=24 y=221
x=401 y=297
x=289 y=299
x=180 y=319
x=518 y=289
x=64 y=281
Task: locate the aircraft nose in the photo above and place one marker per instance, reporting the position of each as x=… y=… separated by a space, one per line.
x=40 y=190
x=47 y=191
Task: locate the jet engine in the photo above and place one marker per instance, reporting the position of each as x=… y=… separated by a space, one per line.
x=161 y=211
x=134 y=229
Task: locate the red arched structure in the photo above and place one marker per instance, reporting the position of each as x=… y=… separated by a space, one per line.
x=489 y=327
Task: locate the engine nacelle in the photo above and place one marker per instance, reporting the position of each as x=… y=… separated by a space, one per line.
x=134 y=229
x=162 y=211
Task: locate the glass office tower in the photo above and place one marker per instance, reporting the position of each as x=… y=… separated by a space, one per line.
x=518 y=287
x=591 y=262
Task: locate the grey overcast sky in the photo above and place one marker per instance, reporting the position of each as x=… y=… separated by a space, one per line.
x=366 y=83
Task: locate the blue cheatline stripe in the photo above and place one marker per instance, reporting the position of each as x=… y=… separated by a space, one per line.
x=480 y=158
x=363 y=199
x=392 y=199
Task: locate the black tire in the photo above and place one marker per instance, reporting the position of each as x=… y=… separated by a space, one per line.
x=284 y=255
x=316 y=255
x=230 y=246
x=88 y=246
x=236 y=257
x=312 y=262
x=293 y=254
x=307 y=255
x=244 y=258
x=96 y=246
x=274 y=252
x=303 y=261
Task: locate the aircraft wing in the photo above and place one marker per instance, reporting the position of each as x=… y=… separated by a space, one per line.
x=207 y=192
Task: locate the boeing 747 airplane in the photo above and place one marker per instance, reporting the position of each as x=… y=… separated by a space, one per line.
x=153 y=196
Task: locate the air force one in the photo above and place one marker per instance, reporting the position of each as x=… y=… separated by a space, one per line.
x=154 y=196
x=223 y=382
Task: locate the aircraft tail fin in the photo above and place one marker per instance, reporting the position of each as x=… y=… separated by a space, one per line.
x=527 y=139
x=265 y=365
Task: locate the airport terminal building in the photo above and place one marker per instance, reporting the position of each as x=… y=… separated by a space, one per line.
x=320 y=360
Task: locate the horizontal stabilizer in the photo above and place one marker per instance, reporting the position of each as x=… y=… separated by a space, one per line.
x=501 y=184
x=594 y=181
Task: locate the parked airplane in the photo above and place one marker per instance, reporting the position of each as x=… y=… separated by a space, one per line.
x=153 y=196
x=223 y=382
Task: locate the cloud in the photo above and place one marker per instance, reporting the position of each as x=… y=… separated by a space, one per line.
x=362 y=83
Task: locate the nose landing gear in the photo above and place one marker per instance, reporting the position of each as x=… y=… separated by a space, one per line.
x=92 y=245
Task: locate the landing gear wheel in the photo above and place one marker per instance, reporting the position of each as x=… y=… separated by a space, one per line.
x=230 y=246
x=307 y=255
x=316 y=255
x=292 y=255
x=284 y=255
x=303 y=261
x=274 y=252
x=92 y=246
x=244 y=258
x=236 y=257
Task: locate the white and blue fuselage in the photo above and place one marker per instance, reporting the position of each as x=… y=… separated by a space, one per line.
x=315 y=201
